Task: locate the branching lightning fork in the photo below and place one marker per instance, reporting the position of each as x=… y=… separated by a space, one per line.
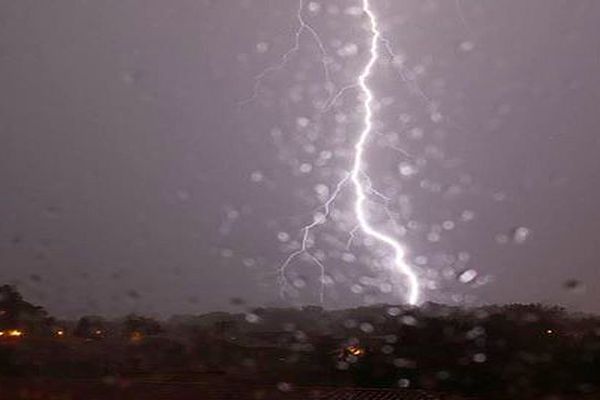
x=302 y=27
x=318 y=219
x=357 y=175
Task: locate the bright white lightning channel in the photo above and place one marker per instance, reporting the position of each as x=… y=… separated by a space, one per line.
x=357 y=167
x=362 y=187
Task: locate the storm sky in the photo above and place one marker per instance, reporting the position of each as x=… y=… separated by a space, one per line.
x=144 y=168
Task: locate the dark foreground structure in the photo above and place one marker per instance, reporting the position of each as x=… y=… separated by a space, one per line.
x=193 y=391
x=378 y=352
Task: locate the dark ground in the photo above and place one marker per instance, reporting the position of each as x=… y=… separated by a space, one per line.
x=205 y=388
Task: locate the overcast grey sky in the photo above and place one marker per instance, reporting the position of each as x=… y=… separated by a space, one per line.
x=135 y=178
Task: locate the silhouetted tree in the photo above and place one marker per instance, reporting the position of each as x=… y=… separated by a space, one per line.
x=15 y=313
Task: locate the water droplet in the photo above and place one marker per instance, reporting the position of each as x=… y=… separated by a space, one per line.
x=356 y=289
x=322 y=190
x=501 y=238
x=387 y=349
x=467 y=46
x=499 y=196
x=299 y=283
x=421 y=260
x=302 y=122
x=436 y=117
x=249 y=262
x=327 y=280
x=391 y=338
x=226 y=253
x=349 y=50
x=233 y=214
x=284 y=386
x=433 y=237
x=283 y=237
x=574 y=285
x=256 y=176
x=467 y=215
x=131 y=77
x=475 y=333
x=305 y=168
x=467 y=276
x=252 y=318
x=348 y=257
x=314 y=7
x=237 y=301
x=262 y=47
x=393 y=311
x=403 y=383
x=407 y=169
x=464 y=256
x=520 y=234
x=350 y=323
x=448 y=225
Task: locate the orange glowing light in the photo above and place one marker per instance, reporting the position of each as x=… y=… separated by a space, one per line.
x=136 y=336
x=60 y=333
x=15 y=333
x=355 y=351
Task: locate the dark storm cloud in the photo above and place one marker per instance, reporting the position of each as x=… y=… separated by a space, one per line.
x=126 y=159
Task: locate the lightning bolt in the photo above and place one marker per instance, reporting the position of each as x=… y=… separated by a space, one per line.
x=361 y=182
x=357 y=167
x=302 y=27
x=319 y=218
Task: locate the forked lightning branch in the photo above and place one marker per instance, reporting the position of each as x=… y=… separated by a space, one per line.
x=357 y=175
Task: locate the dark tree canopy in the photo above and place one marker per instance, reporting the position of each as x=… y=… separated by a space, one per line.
x=15 y=312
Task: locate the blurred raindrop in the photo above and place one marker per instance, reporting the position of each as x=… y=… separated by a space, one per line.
x=520 y=234
x=403 y=383
x=467 y=276
x=252 y=318
x=237 y=301
x=284 y=386
x=574 y=285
